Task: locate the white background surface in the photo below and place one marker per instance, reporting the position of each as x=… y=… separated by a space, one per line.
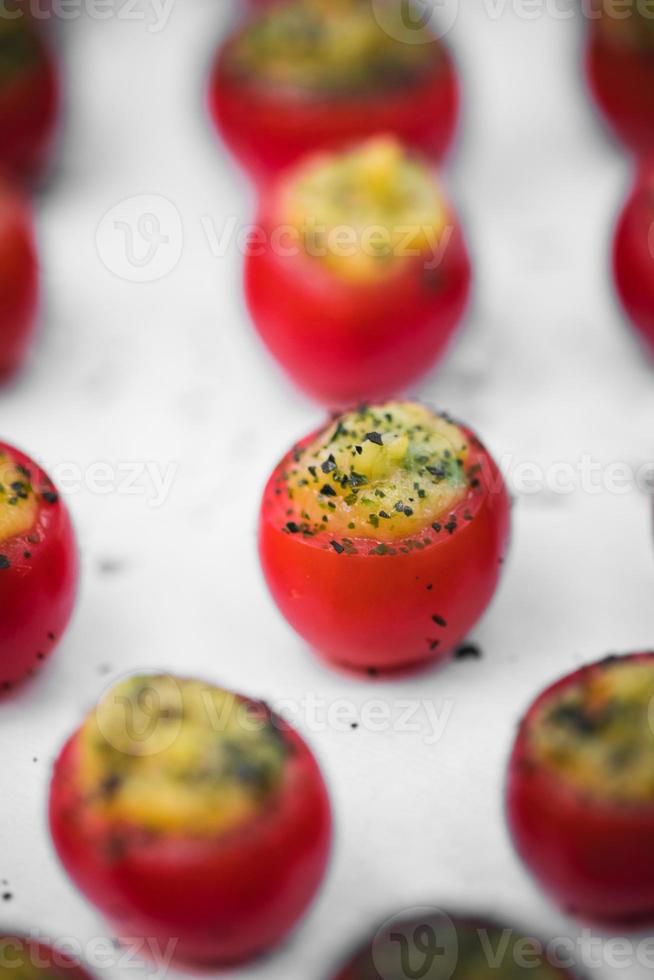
x=171 y=373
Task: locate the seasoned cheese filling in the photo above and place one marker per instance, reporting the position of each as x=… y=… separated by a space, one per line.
x=599 y=733
x=328 y=48
x=626 y=22
x=442 y=948
x=19 y=960
x=361 y=211
x=18 y=502
x=385 y=472
x=171 y=755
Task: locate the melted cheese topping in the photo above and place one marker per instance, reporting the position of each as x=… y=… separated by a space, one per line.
x=18 y=503
x=19 y=48
x=166 y=754
x=361 y=211
x=20 y=960
x=328 y=47
x=623 y=22
x=384 y=472
x=599 y=733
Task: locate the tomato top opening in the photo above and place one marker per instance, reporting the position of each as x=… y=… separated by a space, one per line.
x=20 y=49
x=165 y=754
x=364 y=211
x=19 y=506
x=329 y=48
x=441 y=948
x=597 y=731
x=384 y=472
x=22 y=959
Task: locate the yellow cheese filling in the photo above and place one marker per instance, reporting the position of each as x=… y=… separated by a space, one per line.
x=328 y=47
x=166 y=754
x=385 y=472
x=599 y=733
x=21 y=961
x=18 y=503
x=628 y=22
x=362 y=210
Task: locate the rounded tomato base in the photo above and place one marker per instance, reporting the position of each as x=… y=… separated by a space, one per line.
x=389 y=608
x=596 y=861
x=621 y=79
x=343 y=343
x=19 y=283
x=38 y=584
x=267 y=132
x=205 y=901
x=633 y=259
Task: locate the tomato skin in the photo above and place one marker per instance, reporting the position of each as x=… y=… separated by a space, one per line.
x=19 y=282
x=375 y=612
x=594 y=859
x=268 y=131
x=223 y=899
x=29 y=112
x=344 y=342
x=37 y=593
x=633 y=257
x=621 y=79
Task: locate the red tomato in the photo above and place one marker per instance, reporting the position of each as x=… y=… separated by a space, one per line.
x=19 y=285
x=584 y=832
x=367 y=601
x=343 y=340
x=29 y=98
x=28 y=959
x=38 y=566
x=219 y=893
x=633 y=257
x=621 y=77
x=269 y=126
x=432 y=945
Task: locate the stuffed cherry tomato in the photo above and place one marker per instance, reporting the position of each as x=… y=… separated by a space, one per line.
x=29 y=98
x=381 y=536
x=26 y=959
x=19 y=285
x=633 y=257
x=361 y=292
x=38 y=566
x=580 y=796
x=435 y=946
x=190 y=814
x=620 y=66
x=314 y=74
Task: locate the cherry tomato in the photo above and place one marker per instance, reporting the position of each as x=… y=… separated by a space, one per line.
x=620 y=68
x=19 y=282
x=633 y=256
x=38 y=566
x=361 y=274
x=381 y=537
x=27 y=959
x=320 y=74
x=191 y=815
x=580 y=797
x=432 y=945
x=29 y=98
